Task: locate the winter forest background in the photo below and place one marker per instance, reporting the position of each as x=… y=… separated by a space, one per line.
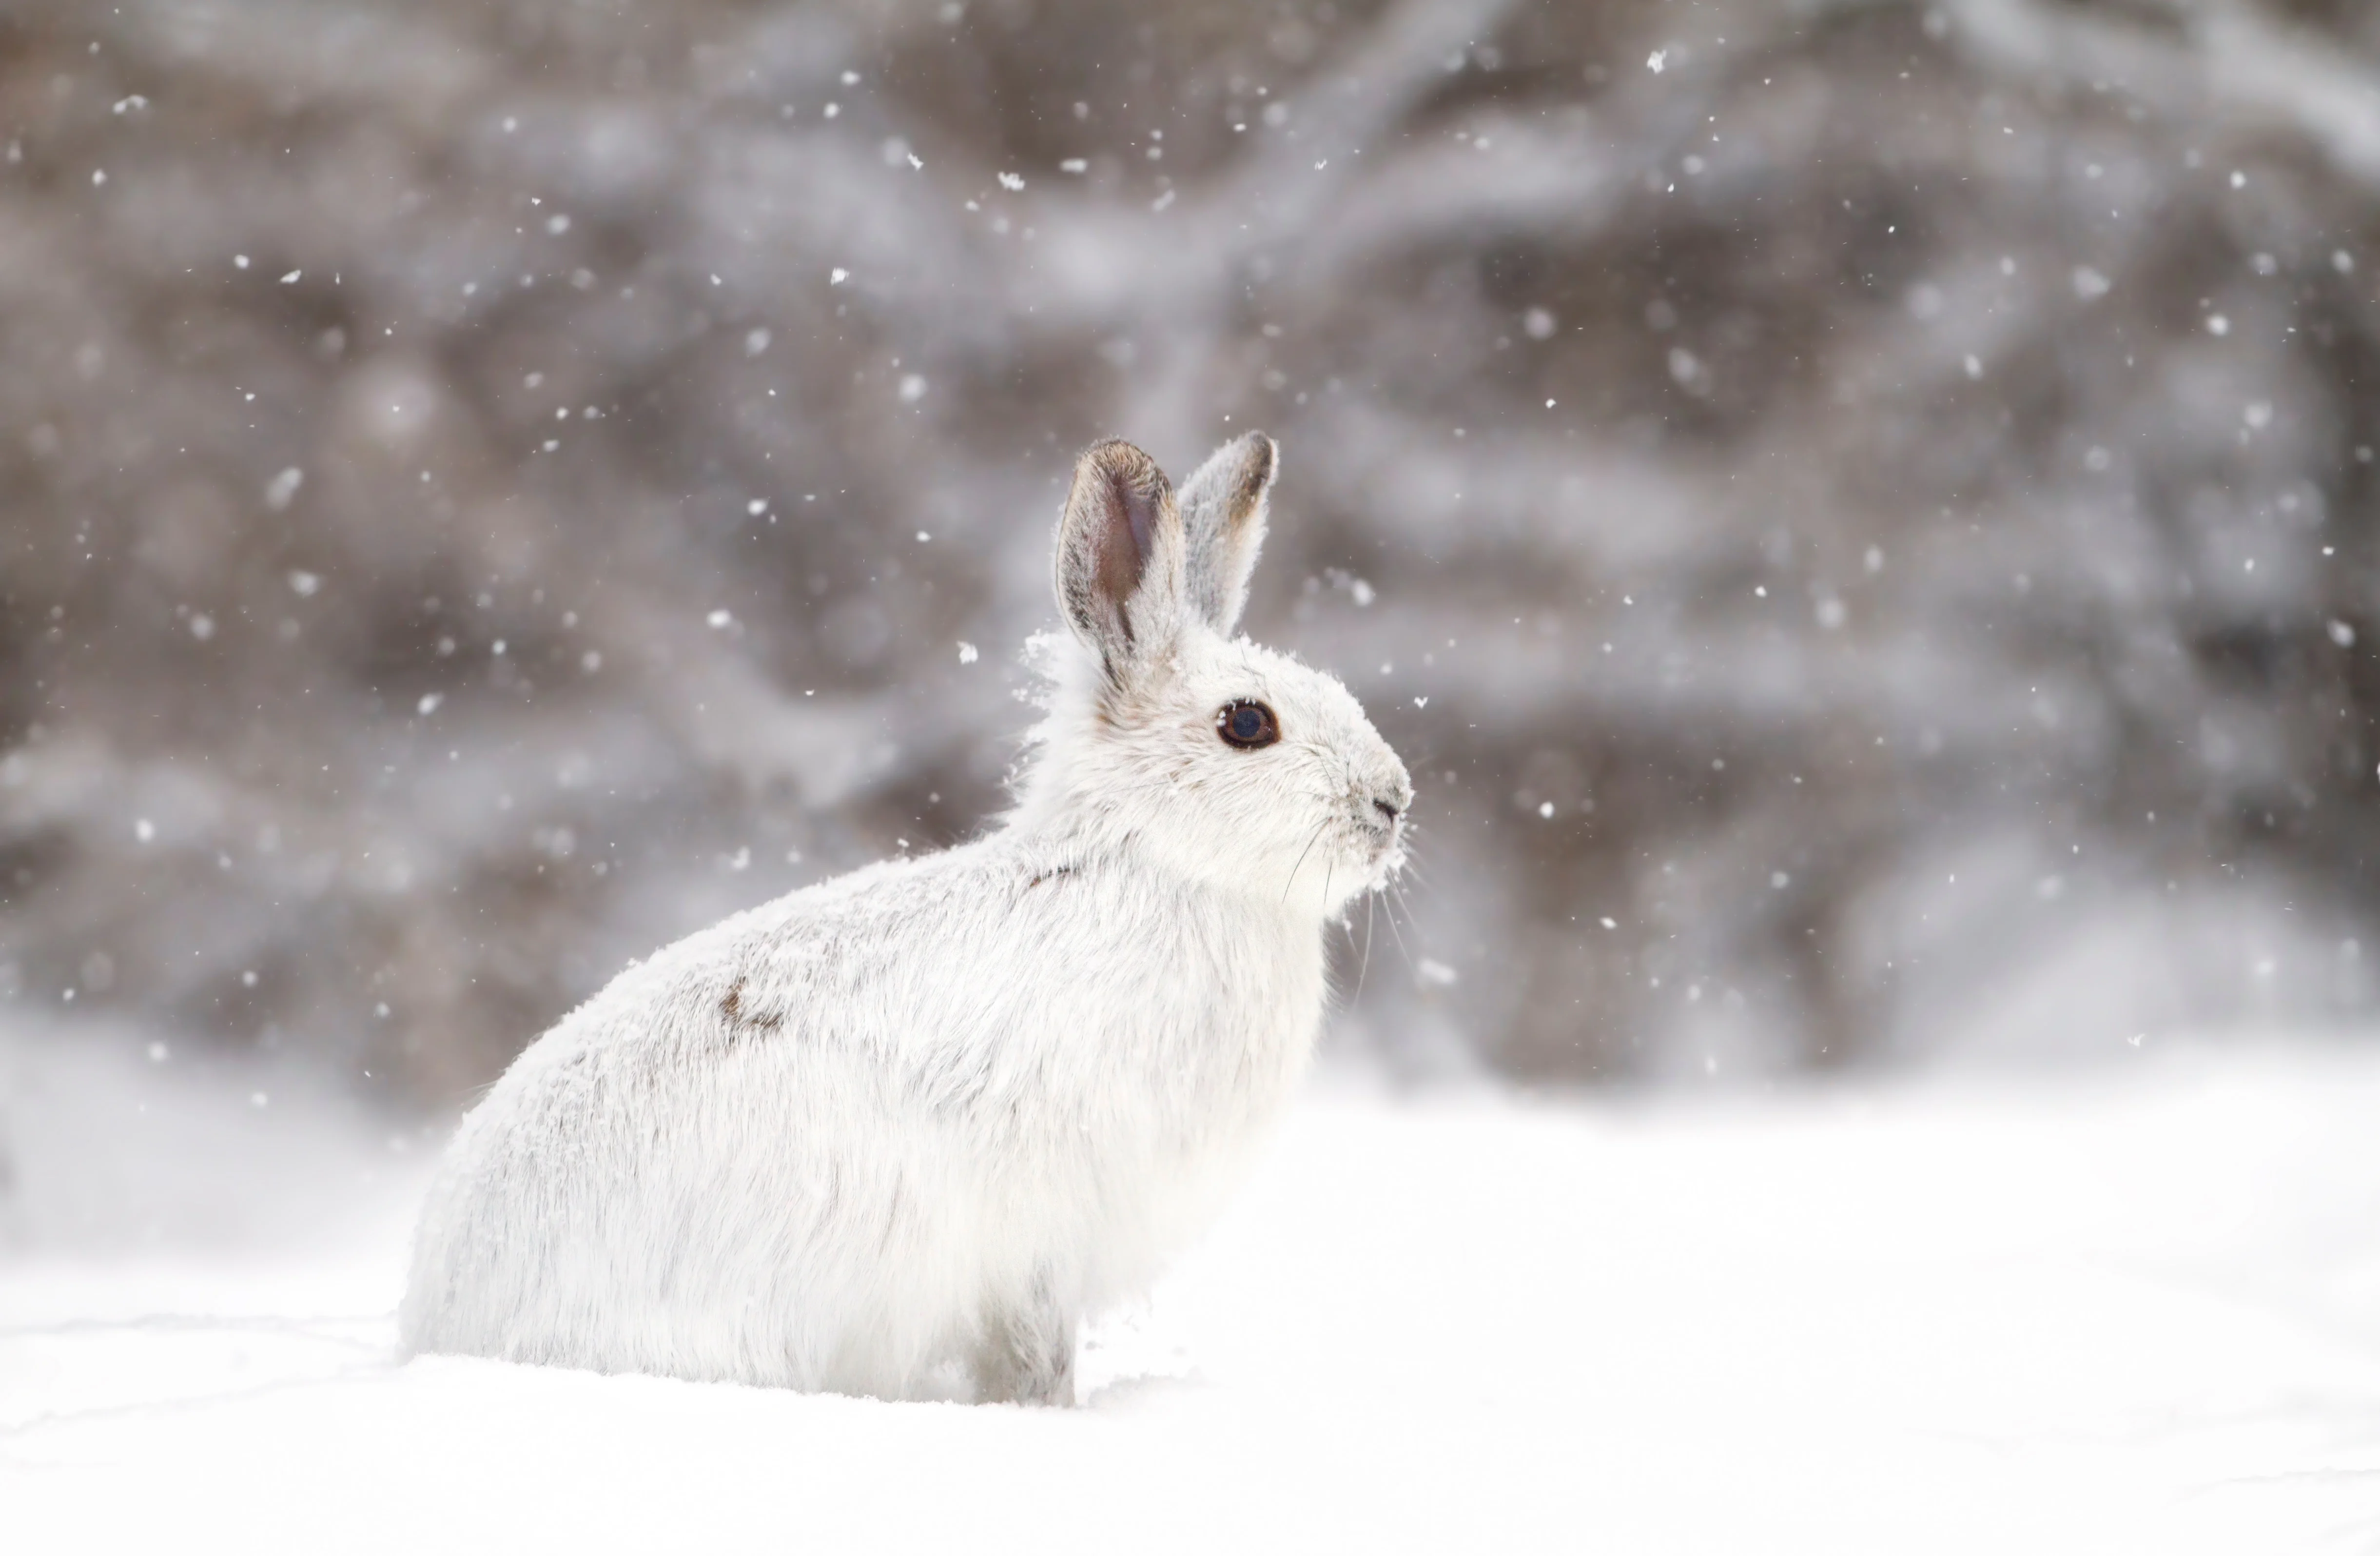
x=1858 y=513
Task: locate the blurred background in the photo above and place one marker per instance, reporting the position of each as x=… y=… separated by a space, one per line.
x=1859 y=514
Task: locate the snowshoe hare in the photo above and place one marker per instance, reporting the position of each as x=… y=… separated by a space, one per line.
x=896 y=1133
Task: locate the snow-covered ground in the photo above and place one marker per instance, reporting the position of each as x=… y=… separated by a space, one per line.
x=2133 y=1310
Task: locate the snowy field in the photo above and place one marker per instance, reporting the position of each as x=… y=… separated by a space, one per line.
x=2128 y=1309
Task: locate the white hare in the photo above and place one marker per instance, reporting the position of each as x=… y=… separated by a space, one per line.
x=897 y=1133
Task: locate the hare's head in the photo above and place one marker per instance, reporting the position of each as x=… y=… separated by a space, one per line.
x=1218 y=759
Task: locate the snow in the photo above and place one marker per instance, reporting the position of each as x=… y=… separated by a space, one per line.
x=2130 y=1309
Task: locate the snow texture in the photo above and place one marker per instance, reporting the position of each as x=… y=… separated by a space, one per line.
x=2128 y=1311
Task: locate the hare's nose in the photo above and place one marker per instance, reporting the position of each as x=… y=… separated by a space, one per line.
x=1389 y=811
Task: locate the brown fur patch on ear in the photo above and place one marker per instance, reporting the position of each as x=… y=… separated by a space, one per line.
x=1255 y=478
x=1223 y=521
x=1107 y=539
x=1135 y=488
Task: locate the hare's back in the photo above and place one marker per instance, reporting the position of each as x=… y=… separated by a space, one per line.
x=700 y=1139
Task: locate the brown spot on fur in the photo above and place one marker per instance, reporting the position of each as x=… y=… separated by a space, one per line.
x=732 y=1007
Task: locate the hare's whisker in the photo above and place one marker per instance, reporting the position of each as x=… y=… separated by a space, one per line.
x=1301 y=859
x=1403 y=949
x=1371 y=901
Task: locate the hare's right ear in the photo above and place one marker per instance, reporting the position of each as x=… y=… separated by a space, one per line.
x=1120 y=557
x=1223 y=526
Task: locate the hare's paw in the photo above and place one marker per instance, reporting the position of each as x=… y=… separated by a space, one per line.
x=1026 y=1356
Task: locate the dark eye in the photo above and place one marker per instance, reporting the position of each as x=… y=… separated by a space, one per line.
x=1247 y=725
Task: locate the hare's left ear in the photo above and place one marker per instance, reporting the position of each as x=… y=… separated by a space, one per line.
x=1120 y=559
x=1223 y=526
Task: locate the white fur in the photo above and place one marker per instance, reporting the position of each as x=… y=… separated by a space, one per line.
x=895 y=1133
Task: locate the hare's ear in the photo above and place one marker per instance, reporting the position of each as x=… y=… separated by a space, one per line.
x=1120 y=557
x=1223 y=526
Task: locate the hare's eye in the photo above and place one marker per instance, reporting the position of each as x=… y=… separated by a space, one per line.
x=1247 y=725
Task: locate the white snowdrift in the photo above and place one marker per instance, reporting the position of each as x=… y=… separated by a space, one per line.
x=2124 y=1311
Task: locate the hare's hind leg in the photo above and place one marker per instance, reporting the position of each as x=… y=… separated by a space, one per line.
x=1026 y=1356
